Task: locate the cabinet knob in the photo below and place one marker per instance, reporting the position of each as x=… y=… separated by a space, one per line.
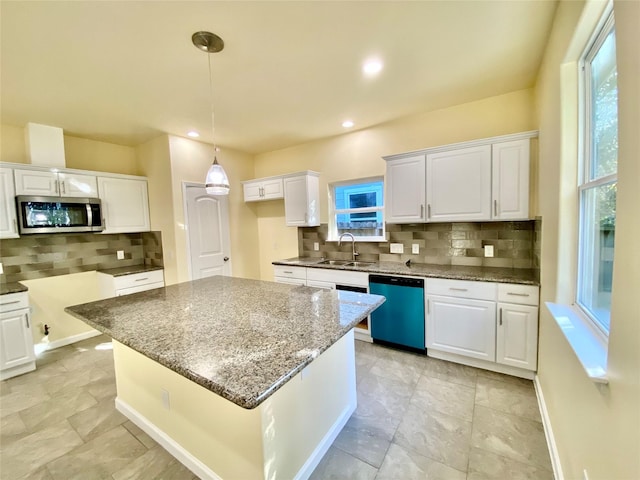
x=226 y=259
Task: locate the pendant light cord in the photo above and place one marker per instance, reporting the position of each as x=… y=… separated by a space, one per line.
x=213 y=119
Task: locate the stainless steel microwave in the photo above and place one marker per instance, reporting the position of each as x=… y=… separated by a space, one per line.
x=38 y=214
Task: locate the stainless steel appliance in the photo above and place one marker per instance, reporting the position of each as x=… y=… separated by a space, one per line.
x=40 y=214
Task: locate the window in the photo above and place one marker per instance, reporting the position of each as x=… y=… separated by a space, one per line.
x=357 y=207
x=598 y=177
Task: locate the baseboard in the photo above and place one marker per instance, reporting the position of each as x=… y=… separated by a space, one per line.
x=72 y=339
x=483 y=364
x=164 y=440
x=548 y=432
x=316 y=456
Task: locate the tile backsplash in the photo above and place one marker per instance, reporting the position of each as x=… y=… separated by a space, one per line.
x=516 y=244
x=48 y=255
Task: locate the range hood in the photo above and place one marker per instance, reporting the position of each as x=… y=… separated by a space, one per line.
x=45 y=145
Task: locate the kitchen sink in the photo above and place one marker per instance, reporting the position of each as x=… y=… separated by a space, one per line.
x=360 y=264
x=335 y=262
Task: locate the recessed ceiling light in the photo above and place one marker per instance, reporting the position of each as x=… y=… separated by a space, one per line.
x=372 y=67
x=193 y=134
x=347 y=124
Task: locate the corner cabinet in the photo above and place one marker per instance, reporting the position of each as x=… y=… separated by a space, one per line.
x=8 y=222
x=125 y=204
x=17 y=355
x=481 y=180
x=302 y=200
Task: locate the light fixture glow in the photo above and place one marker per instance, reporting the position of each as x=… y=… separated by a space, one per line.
x=193 y=134
x=347 y=124
x=372 y=67
x=216 y=182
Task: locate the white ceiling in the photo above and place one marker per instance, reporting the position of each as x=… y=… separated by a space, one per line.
x=124 y=72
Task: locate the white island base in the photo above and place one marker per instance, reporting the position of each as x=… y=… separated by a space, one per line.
x=285 y=437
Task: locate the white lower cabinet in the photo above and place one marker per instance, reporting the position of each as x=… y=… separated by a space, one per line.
x=461 y=326
x=116 y=286
x=486 y=325
x=16 y=342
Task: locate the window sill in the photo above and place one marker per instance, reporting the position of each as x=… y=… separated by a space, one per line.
x=586 y=344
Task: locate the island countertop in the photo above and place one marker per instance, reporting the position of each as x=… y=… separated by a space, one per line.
x=242 y=339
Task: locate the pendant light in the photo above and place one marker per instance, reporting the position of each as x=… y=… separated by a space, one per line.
x=217 y=182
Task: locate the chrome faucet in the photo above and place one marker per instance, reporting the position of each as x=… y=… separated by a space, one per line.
x=354 y=254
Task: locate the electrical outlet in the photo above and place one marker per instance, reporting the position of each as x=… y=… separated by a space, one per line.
x=165 y=399
x=488 y=250
x=397 y=248
x=1 y=269
x=415 y=248
x=316 y=246
x=120 y=254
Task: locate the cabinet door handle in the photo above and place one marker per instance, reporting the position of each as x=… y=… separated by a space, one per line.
x=306 y=218
x=428 y=210
x=421 y=210
x=56 y=187
x=459 y=289
x=428 y=307
x=27 y=319
x=141 y=279
x=501 y=317
x=64 y=187
x=15 y=225
x=518 y=294
x=495 y=208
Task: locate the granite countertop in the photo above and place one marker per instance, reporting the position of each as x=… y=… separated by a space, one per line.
x=12 y=287
x=524 y=276
x=121 y=271
x=242 y=339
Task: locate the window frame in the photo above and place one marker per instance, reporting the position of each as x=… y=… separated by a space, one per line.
x=333 y=212
x=585 y=164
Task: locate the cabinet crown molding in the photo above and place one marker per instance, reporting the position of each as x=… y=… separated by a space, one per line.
x=471 y=143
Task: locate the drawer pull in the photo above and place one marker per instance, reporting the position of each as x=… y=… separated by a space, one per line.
x=459 y=289
x=288 y=271
x=141 y=279
x=10 y=303
x=518 y=294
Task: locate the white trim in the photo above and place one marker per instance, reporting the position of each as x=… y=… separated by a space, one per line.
x=470 y=143
x=483 y=364
x=548 y=431
x=72 y=339
x=316 y=456
x=93 y=173
x=166 y=442
x=273 y=177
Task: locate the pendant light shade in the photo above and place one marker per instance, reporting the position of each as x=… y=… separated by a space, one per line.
x=217 y=182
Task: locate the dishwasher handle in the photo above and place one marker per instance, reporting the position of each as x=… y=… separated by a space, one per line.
x=400 y=281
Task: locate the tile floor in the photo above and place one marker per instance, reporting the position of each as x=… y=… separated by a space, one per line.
x=417 y=418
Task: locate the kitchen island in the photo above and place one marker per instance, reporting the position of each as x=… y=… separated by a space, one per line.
x=236 y=378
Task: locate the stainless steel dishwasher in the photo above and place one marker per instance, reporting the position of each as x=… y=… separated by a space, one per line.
x=400 y=320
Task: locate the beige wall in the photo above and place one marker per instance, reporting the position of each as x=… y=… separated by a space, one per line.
x=80 y=153
x=359 y=154
x=596 y=428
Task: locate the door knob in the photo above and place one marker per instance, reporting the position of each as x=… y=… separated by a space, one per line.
x=226 y=259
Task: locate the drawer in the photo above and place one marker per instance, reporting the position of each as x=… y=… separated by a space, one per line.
x=520 y=294
x=290 y=272
x=138 y=279
x=339 y=277
x=462 y=289
x=14 y=301
x=138 y=288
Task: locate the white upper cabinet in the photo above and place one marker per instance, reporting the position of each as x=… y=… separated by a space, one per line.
x=8 y=223
x=47 y=183
x=405 y=179
x=125 y=204
x=459 y=185
x=510 y=169
x=263 y=189
x=302 y=200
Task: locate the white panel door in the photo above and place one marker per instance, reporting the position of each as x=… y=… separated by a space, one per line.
x=75 y=185
x=125 y=204
x=461 y=326
x=208 y=233
x=8 y=223
x=16 y=343
x=405 y=180
x=34 y=182
x=459 y=185
x=517 y=336
x=510 y=185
